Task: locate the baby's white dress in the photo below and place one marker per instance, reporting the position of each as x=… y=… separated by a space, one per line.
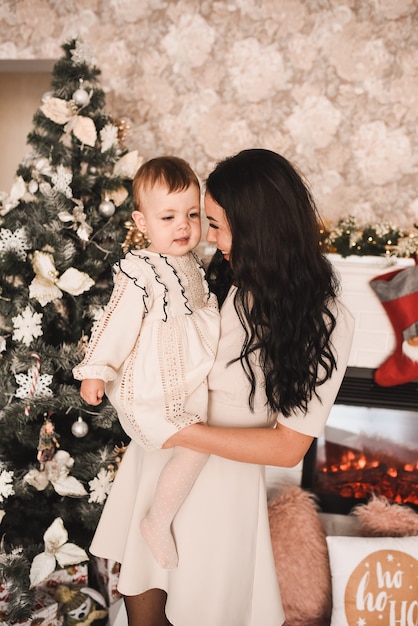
x=226 y=573
x=155 y=345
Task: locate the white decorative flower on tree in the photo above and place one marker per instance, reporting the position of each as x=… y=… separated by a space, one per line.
x=57 y=550
x=83 y=128
x=79 y=220
x=128 y=164
x=57 y=472
x=46 y=286
x=57 y=110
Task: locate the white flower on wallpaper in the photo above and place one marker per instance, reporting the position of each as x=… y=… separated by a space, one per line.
x=257 y=71
x=189 y=43
x=404 y=97
x=382 y=154
x=223 y=132
x=356 y=55
x=302 y=51
x=314 y=123
x=128 y=11
x=393 y=9
x=288 y=16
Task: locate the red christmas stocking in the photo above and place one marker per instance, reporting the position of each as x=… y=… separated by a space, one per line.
x=398 y=294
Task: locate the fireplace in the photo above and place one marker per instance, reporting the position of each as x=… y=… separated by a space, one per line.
x=370 y=446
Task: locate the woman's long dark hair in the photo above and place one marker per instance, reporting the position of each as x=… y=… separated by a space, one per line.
x=285 y=285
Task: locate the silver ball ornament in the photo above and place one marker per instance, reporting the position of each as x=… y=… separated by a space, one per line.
x=80 y=428
x=46 y=96
x=81 y=97
x=106 y=208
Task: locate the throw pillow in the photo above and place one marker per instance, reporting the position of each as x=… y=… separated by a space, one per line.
x=374 y=580
x=301 y=557
x=380 y=518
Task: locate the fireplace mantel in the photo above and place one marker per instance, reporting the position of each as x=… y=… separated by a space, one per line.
x=359 y=389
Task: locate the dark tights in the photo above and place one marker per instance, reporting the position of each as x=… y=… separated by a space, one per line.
x=147 y=609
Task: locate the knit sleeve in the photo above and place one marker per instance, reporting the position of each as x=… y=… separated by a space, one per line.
x=114 y=335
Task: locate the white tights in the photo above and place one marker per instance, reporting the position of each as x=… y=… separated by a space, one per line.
x=174 y=484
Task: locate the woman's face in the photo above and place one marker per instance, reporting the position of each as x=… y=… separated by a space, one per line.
x=219 y=232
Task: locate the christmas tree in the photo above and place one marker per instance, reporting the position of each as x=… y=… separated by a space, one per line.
x=62 y=226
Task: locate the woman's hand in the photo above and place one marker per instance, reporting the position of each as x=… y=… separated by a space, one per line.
x=92 y=391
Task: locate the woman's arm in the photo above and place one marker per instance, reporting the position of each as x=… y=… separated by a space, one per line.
x=279 y=446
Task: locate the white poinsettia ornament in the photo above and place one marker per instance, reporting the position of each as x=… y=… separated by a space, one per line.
x=61 y=112
x=57 y=110
x=79 y=220
x=57 y=472
x=57 y=550
x=83 y=128
x=46 y=286
x=128 y=164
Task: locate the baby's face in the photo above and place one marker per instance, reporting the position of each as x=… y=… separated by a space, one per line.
x=171 y=220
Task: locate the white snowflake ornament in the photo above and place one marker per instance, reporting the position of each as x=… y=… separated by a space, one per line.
x=33 y=384
x=100 y=486
x=61 y=180
x=82 y=53
x=14 y=242
x=6 y=483
x=27 y=326
x=109 y=137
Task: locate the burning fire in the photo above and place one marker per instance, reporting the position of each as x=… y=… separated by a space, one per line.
x=360 y=473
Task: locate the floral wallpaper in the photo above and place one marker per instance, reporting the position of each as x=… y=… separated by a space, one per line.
x=331 y=84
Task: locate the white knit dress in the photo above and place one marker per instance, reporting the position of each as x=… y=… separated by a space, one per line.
x=226 y=573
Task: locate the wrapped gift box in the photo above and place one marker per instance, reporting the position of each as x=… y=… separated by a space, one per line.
x=106 y=573
x=4 y=598
x=73 y=575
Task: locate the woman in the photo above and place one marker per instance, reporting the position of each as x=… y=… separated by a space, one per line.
x=284 y=344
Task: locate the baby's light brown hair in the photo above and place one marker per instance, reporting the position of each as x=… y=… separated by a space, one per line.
x=169 y=171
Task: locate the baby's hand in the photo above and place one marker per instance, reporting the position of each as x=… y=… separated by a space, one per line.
x=92 y=391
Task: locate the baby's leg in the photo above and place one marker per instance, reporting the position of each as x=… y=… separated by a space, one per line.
x=175 y=482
